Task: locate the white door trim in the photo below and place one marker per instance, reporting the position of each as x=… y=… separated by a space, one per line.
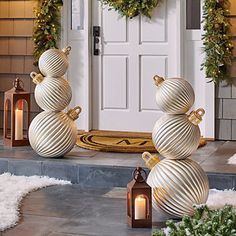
x=80 y=83
x=205 y=92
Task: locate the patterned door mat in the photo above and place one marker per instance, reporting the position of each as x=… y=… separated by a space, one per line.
x=107 y=142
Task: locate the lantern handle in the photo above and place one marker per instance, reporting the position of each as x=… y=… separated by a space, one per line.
x=137 y=173
x=18 y=84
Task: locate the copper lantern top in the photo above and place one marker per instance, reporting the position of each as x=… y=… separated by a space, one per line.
x=18 y=87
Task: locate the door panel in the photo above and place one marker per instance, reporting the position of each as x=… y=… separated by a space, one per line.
x=131 y=53
x=148 y=69
x=114 y=82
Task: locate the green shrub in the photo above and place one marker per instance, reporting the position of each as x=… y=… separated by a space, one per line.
x=205 y=222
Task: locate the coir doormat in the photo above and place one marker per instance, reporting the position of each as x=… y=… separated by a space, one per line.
x=118 y=143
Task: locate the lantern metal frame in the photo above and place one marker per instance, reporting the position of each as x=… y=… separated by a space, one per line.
x=135 y=188
x=14 y=95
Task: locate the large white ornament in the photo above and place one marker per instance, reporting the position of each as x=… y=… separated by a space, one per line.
x=177 y=185
x=177 y=136
x=51 y=94
x=174 y=95
x=54 y=62
x=53 y=134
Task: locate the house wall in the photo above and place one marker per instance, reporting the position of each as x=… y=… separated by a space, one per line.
x=16 y=47
x=226 y=96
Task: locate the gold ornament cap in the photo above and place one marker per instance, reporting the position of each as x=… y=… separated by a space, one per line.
x=37 y=78
x=196 y=116
x=66 y=50
x=150 y=160
x=74 y=113
x=158 y=80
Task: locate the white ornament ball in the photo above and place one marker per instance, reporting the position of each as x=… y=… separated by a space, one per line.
x=177 y=136
x=53 y=134
x=174 y=95
x=177 y=185
x=54 y=62
x=51 y=94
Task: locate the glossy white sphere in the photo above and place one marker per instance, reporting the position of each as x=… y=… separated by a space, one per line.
x=52 y=134
x=175 y=136
x=53 y=94
x=177 y=185
x=54 y=62
x=174 y=95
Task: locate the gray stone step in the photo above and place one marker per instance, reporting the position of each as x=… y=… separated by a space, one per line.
x=102 y=176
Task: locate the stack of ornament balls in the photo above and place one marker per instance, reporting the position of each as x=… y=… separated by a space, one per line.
x=53 y=133
x=177 y=182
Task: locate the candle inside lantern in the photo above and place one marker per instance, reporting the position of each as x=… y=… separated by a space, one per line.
x=140 y=208
x=19 y=124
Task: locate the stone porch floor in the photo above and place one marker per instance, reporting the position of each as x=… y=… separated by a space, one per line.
x=74 y=211
x=93 y=169
x=90 y=207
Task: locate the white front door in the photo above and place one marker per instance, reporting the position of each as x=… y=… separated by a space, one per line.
x=131 y=53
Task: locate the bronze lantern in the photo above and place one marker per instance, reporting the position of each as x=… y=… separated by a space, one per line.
x=16 y=115
x=139 y=200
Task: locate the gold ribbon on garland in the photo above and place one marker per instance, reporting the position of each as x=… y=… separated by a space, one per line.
x=132 y=8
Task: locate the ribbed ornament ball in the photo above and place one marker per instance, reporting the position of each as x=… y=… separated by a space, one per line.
x=174 y=95
x=51 y=94
x=54 y=62
x=53 y=134
x=177 y=185
x=177 y=136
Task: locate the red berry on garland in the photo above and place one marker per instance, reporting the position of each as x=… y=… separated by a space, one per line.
x=49 y=37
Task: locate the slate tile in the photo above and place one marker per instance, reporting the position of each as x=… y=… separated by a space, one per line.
x=221 y=182
x=60 y=170
x=104 y=176
x=31 y=225
x=24 y=167
x=3 y=166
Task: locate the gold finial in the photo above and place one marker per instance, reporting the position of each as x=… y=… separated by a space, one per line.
x=158 y=80
x=67 y=50
x=150 y=160
x=74 y=113
x=37 y=78
x=196 y=116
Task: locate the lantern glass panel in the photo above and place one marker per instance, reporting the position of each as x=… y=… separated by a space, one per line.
x=8 y=118
x=21 y=119
x=129 y=204
x=140 y=207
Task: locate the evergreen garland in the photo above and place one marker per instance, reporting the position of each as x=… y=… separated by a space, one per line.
x=132 y=8
x=217 y=40
x=47 y=26
x=221 y=222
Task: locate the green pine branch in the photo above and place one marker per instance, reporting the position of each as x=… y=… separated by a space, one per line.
x=220 y=222
x=47 y=28
x=132 y=8
x=217 y=40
